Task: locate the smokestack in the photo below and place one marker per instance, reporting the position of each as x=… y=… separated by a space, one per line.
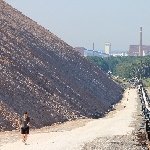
x=93 y=46
x=140 y=45
x=93 y=49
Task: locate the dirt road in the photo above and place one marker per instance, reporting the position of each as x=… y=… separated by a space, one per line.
x=74 y=135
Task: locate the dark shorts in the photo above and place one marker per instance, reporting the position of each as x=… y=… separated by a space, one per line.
x=25 y=130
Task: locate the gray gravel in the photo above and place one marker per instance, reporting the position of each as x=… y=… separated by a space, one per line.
x=125 y=142
x=134 y=141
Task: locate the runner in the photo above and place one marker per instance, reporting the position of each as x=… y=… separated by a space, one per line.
x=24 y=124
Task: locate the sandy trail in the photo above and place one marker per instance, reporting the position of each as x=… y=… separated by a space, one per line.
x=115 y=123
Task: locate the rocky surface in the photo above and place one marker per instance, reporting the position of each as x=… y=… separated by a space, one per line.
x=43 y=75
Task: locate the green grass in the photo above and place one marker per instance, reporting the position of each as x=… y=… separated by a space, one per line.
x=146 y=82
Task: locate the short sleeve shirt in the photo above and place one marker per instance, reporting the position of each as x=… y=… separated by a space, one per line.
x=25 y=121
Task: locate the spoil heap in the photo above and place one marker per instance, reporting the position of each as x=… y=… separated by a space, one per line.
x=43 y=75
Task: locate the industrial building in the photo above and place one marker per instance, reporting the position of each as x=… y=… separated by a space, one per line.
x=80 y=49
x=95 y=53
x=107 y=48
x=85 y=52
x=134 y=50
x=115 y=54
x=139 y=50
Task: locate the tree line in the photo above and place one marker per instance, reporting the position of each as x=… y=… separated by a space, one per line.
x=124 y=66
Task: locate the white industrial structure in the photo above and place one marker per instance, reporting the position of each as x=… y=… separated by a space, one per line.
x=95 y=53
x=107 y=48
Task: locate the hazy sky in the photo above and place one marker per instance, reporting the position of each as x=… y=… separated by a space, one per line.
x=80 y=23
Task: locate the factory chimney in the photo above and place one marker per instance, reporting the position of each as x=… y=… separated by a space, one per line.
x=140 y=45
x=93 y=49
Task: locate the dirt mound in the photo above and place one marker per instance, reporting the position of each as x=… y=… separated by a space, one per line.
x=43 y=75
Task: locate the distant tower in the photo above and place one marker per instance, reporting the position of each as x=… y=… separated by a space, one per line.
x=93 y=49
x=140 y=45
x=107 y=48
x=93 y=46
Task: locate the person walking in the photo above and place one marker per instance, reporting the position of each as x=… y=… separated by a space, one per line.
x=24 y=124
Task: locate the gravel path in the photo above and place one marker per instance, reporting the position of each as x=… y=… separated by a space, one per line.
x=122 y=142
x=118 y=130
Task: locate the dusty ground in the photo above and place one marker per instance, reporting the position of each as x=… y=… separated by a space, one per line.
x=115 y=131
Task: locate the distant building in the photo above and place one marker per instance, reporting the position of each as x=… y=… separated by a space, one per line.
x=88 y=53
x=115 y=54
x=139 y=50
x=146 y=50
x=85 y=52
x=134 y=50
x=95 y=53
x=107 y=48
x=80 y=49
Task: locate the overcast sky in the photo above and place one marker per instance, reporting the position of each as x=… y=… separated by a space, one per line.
x=80 y=23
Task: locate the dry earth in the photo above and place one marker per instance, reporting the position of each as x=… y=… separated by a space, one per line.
x=115 y=131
